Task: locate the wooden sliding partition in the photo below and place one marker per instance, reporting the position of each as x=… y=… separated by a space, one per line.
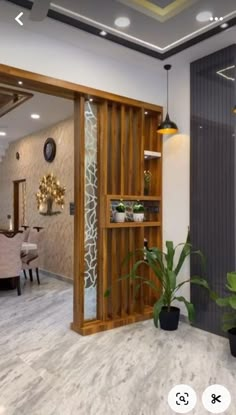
x=127 y=144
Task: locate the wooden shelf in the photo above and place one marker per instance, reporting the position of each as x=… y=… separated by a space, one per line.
x=148 y=155
x=133 y=197
x=133 y=224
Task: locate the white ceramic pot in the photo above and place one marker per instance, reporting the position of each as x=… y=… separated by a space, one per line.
x=138 y=217
x=119 y=217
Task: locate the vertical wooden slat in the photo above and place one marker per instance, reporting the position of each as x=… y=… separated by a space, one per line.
x=131 y=262
x=131 y=175
x=113 y=154
x=102 y=302
x=79 y=158
x=115 y=288
x=139 y=299
x=140 y=137
x=122 y=150
x=123 y=270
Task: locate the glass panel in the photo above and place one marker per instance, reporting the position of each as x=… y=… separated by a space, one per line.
x=91 y=219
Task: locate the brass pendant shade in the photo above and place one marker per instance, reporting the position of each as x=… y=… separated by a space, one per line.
x=167 y=126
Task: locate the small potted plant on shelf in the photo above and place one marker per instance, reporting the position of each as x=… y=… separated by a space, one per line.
x=229 y=318
x=138 y=212
x=147 y=181
x=120 y=212
x=166 y=286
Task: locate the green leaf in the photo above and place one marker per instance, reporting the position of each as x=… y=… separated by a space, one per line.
x=172 y=279
x=181 y=284
x=136 y=289
x=151 y=284
x=135 y=268
x=223 y=302
x=189 y=306
x=186 y=251
x=229 y=316
x=232 y=302
x=156 y=255
x=231 y=278
x=229 y=325
x=157 y=309
x=170 y=254
x=107 y=292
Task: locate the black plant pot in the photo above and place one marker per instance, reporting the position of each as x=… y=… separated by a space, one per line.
x=232 y=341
x=169 y=320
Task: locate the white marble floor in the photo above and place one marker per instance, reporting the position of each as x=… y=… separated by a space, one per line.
x=46 y=369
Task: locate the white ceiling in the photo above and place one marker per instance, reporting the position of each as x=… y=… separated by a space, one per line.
x=18 y=123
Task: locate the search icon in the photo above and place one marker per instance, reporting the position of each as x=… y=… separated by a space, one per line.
x=182 y=399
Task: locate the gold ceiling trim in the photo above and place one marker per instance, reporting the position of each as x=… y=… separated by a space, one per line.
x=159 y=13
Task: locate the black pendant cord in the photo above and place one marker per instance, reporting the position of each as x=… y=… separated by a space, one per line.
x=167 y=92
x=167 y=68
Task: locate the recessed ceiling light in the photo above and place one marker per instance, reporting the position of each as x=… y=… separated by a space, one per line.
x=35 y=116
x=221 y=18
x=90 y=99
x=103 y=33
x=203 y=16
x=216 y=18
x=224 y=25
x=20 y=83
x=122 y=21
x=146 y=112
x=2 y=133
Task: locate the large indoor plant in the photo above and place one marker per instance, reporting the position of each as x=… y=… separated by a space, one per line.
x=166 y=271
x=229 y=317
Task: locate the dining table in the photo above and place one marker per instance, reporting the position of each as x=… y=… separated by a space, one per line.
x=28 y=246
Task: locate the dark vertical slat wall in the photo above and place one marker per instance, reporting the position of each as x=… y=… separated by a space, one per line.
x=212 y=181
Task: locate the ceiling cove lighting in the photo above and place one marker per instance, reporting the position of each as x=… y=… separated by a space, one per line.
x=2 y=134
x=35 y=116
x=122 y=21
x=167 y=126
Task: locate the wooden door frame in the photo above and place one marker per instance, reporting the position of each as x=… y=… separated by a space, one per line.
x=16 y=203
x=78 y=93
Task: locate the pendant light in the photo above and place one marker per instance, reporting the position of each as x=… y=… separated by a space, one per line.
x=167 y=126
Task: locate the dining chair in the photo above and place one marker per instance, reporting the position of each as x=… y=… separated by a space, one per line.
x=10 y=260
x=30 y=260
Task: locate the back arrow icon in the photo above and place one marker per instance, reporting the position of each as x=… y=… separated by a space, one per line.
x=17 y=18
